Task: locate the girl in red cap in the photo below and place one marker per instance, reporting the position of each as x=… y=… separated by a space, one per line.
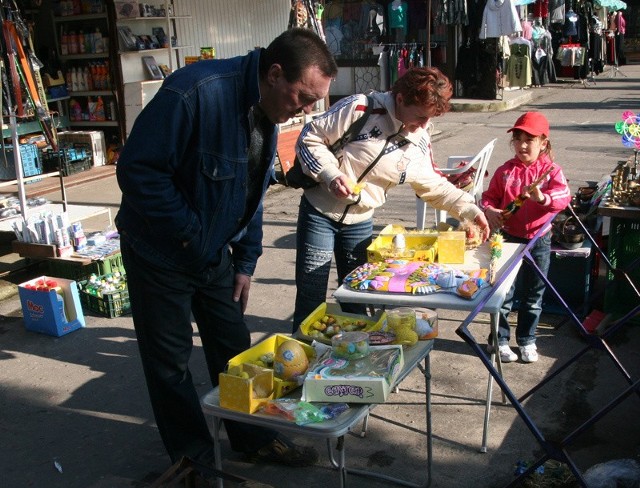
x=539 y=184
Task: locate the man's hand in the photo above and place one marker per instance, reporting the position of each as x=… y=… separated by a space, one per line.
x=241 y=289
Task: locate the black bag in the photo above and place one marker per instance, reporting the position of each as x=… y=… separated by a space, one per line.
x=295 y=177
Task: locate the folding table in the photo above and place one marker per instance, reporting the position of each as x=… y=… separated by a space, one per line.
x=336 y=428
x=489 y=298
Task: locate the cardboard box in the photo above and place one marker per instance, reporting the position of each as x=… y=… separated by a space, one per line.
x=308 y=333
x=246 y=394
x=91 y=139
x=270 y=345
x=44 y=312
x=418 y=247
x=451 y=247
x=358 y=381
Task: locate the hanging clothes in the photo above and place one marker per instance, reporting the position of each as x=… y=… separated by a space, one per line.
x=543 y=70
x=556 y=11
x=453 y=12
x=500 y=18
x=519 y=64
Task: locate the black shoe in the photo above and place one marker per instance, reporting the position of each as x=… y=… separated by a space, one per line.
x=282 y=451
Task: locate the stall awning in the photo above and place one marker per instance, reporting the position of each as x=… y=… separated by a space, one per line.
x=611 y=4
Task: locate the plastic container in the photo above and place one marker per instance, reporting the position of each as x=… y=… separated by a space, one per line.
x=426 y=323
x=398 y=318
x=350 y=345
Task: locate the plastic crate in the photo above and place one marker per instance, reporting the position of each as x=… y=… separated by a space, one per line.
x=68 y=160
x=81 y=270
x=111 y=305
x=624 y=235
x=31 y=163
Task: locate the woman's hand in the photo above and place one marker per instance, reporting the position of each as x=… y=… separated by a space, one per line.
x=341 y=186
x=481 y=222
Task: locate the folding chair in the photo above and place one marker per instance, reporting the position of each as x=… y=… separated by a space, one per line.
x=480 y=161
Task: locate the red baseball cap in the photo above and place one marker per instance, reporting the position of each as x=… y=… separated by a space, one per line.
x=533 y=123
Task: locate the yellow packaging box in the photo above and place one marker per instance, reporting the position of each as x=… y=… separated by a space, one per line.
x=248 y=393
x=366 y=380
x=418 y=247
x=270 y=345
x=347 y=322
x=451 y=247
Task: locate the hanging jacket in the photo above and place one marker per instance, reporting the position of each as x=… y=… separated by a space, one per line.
x=500 y=18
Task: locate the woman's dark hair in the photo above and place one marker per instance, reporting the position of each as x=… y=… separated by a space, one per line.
x=427 y=87
x=295 y=50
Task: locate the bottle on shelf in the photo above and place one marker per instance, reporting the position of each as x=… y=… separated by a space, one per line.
x=81 y=43
x=98 y=45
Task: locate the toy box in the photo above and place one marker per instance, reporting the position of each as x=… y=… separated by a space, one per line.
x=246 y=387
x=346 y=321
x=270 y=345
x=48 y=311
x=127 y=9
x=451 y=247
x=417 y=247
x=366 y=380
x=30 y=158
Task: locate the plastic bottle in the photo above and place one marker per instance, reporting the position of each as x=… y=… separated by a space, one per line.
x=81 y=43
x=98 y=45
x=99 y=112
x=68 y=80
x=75 y=110
x=75 y=85
x=64 y=43
x=72 y=41
x=53 y=286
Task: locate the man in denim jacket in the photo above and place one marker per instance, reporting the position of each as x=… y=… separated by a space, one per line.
x=193 y=174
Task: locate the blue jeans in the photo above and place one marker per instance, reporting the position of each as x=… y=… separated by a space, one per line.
x=528 y=290
x=318 y=239
x=162 y=301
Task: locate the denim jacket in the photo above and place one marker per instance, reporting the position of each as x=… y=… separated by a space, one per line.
x=183 y=169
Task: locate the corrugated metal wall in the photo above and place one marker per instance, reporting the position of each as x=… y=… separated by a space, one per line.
x=232 y=27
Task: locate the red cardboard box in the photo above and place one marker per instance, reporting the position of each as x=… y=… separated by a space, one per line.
x=49 y=312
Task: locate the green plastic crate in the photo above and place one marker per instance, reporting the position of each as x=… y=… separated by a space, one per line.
x=81 y=270
x=111 y=305
x=624 y=236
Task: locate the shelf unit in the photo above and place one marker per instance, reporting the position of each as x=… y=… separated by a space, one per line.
x=136 y=86
x=84 y=44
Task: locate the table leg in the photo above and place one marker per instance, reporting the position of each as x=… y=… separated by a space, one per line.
x=216 y=444
x=495 y=359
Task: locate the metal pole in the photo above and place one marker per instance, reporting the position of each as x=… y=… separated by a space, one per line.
x=17 y=161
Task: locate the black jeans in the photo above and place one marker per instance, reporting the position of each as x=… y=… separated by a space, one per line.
x=162 y=301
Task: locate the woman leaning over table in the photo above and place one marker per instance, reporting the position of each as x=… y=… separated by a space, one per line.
x=336 y=216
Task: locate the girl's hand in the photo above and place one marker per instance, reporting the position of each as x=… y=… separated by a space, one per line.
x=494 y=218
x=536 y=195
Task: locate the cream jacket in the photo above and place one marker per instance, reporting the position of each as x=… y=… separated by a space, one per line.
x=407 y=159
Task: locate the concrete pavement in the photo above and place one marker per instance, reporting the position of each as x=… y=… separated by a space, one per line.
x=81 y=400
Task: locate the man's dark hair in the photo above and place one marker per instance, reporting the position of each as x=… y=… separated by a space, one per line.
x=296 y=50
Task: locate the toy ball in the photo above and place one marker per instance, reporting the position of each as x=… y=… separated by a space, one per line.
x=290 y=361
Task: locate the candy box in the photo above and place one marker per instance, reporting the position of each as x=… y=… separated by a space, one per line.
x=365 y=380
x=245 y=387
x=413 y=246
x=51 y=306
x=269 y=346
x=348 y=322
x=451 y=247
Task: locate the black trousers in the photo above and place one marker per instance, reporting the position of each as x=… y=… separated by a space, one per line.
x=162 y=302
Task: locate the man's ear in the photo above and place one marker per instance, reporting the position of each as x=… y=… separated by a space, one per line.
x=273 y=74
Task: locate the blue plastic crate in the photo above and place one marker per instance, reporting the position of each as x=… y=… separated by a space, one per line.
x=31 y=164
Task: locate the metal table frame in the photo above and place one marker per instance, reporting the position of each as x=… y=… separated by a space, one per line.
x=336 y=428
x=488 y=300
x=557 y=450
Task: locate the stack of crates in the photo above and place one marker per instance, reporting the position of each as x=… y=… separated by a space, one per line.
x=80 y=270
x=624 y=236
x=68 y=160
x=31 y=163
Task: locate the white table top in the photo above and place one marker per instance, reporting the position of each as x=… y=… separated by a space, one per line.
x=329 y=428
x=474 y=259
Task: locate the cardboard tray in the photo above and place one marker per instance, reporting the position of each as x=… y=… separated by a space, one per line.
x=306 y=330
